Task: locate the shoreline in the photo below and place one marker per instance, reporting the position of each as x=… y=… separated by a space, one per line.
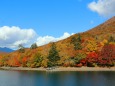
x=59 y=69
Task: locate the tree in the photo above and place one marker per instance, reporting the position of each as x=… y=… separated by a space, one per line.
x=44 y=63
x=77 y=42
x=53 y=56
x=79 y=57
x=21 y=48
x=79 y=38
x=33 y=46
x=104 y=42
x=36 y=60
x=24 y=61
x=92 y=59
x=107 y=55
x=91 y=46
x=111 y=39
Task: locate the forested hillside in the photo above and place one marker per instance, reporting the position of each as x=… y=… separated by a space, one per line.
x=95 y=47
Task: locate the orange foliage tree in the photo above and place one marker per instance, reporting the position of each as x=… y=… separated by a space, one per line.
x=24 y=61
x=92 y=59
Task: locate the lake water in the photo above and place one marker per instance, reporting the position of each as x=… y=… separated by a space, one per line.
x=39 y=78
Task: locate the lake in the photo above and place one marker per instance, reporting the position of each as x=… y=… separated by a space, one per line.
x=39 y=78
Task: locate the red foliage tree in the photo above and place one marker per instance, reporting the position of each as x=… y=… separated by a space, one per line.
x=16 y=62
x=107 y=55
x=91 y=58
x=24 y=61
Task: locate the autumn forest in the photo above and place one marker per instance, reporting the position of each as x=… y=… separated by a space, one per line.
x=95 y=47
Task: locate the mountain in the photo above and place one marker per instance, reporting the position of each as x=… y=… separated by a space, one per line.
x=5 y=49
x=104 y=30
x=89 y=44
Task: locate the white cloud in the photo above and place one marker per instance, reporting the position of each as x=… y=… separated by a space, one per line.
x=103 y=7
x=13 y=36
x=47 y=39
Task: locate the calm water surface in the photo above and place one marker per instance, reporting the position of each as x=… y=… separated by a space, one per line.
x=39 y=78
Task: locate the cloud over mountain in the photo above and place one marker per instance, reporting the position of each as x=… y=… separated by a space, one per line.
x=46 y=39
x=103 y=7
x=13 y=36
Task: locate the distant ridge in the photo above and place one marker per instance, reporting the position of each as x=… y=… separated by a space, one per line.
x=5 y=49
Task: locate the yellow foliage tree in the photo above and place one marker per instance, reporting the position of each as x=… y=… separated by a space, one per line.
x=44 y=63
x=104 y=42
x=91 y=46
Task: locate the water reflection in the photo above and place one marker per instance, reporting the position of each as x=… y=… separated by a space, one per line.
x=39 y=78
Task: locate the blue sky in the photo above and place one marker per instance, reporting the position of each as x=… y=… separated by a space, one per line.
x=53 y=17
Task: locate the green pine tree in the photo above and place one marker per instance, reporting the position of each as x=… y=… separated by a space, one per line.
x=53 y=56
x=111 y=39
x=77 y=42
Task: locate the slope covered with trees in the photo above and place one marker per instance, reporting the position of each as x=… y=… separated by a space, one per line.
x=95 y=47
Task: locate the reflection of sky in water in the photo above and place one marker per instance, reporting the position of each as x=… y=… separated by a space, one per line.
x=32 y=78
